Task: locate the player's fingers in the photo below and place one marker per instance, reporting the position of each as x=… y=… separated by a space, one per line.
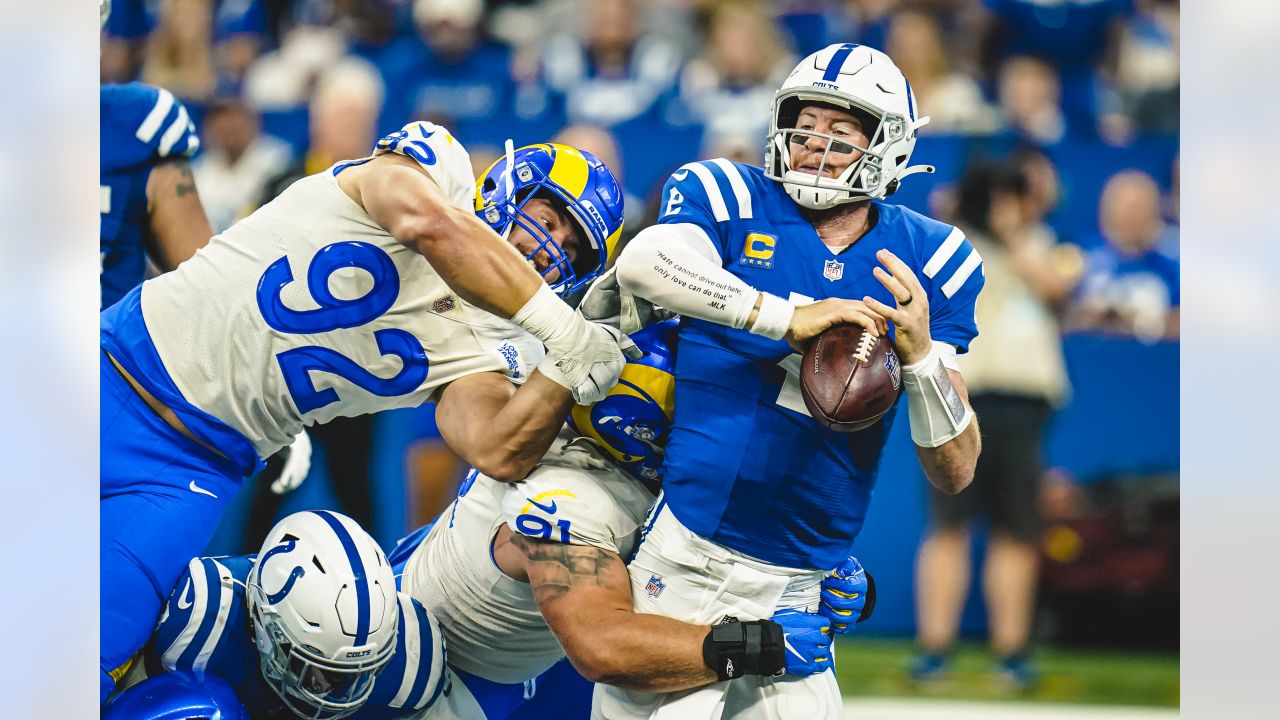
x=899 y=291
x=899 y=270
x=893 y=314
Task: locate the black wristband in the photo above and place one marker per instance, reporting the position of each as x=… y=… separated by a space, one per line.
x=733 y=649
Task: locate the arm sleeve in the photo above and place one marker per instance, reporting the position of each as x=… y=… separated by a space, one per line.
x=953 y=277
x=676 y=266
x=415 y=677
x=440 y=154
x=195 y=618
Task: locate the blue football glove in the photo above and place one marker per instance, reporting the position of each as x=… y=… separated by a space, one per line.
x=848 y=594
x=807 y=641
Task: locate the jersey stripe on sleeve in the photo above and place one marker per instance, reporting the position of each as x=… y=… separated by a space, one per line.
x=151 y=124
x=971 y=263
x=199 y=598
x=719 y=210
x=944 y=252
x=739 y=186
x=177 y=129
x=223 y=578
x=408 y=647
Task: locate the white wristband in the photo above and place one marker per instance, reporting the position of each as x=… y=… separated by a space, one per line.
x=547 y=317
x=773 y=318
x=938 y=414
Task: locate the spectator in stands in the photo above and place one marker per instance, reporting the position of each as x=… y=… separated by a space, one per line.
x=283 y=78
x=952 y=100
x=604 y=145
x=613 y=70
x=237 y=162
x=180 y=51
x=1146 y=73
x=344 y=114
x=1015 y=374
x=239 y=26
x=1129 y=286
x=728 y=87
x=124 y=40
x=1071 y=36
x=450 y=74
x=1029 y=97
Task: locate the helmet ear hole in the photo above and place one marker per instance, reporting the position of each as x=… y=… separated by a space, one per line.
x=490 y=185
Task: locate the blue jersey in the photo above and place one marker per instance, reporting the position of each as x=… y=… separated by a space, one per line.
x=746 y=466
x=141 y=126
x=205 y=629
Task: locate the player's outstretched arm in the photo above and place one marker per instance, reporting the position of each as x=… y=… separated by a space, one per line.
x=471 y=258
x=502 y=430
x=584 y=593
x=676 y=267
x=179 y=226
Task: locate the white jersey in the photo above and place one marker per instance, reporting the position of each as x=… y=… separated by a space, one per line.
x=308 y=310
x=492 y=625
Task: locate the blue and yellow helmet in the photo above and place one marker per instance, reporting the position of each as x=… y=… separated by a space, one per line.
x=579 y=181
x=632 y=422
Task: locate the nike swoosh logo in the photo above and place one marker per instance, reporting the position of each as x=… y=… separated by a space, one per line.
x=548 y=509
x=786 y=640
x=184 y=599
x=196 y=488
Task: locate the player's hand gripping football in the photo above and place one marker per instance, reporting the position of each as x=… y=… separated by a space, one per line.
x=910 y=315
x=810 y=320
x=848 y=596
x=807 y=640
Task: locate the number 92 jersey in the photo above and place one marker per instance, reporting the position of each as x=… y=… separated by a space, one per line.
x=746 y=466
x=307 y=310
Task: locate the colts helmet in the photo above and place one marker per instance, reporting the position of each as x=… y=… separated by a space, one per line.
x=632 y=422
x=861 y=81
x=575 y=180
x=322 y=601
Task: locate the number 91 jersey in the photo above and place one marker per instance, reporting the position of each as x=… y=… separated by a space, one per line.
x=307 y=310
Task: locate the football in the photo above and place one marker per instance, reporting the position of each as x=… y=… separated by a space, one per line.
x=849 y=378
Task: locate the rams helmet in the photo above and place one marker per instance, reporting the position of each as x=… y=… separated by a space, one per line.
x=632 y=422
x=577 y=181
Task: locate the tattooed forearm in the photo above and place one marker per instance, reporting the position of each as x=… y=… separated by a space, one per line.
x=555 y=568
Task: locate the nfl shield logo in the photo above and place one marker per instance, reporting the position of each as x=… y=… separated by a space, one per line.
x=655 y=586
x=833 y=270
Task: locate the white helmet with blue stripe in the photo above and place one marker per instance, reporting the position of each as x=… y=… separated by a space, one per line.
x=322 y=600
x=866 y=83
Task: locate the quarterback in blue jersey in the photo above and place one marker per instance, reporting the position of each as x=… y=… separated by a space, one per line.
x=751 y=256
x=310 y=627
x=147 y=195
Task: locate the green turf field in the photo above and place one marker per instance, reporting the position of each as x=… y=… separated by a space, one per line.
x=878 y=667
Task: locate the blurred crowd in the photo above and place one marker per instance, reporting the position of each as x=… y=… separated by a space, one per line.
x=1079 y=96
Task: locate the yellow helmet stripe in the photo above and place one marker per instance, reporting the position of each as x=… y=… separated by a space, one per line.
x=569 y=169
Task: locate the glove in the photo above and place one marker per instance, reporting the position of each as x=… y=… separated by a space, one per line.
x=297 y=464
x=849 y=592
x=591 y=367
x=606 y=302
x=807 y=637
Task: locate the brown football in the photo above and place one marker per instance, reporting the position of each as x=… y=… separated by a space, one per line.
x=849 y=378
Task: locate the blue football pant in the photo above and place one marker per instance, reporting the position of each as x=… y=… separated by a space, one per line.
x=161 y=498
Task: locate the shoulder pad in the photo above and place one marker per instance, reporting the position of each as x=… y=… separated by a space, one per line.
x=415 y=677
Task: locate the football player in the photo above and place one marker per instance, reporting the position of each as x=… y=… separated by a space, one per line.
x=521 y=576
x=758 y=499
x=310 y=627
x=146 y=194
x=368 y=286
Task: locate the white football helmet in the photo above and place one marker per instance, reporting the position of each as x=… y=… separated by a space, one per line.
x=322 y=600
x=860 y=80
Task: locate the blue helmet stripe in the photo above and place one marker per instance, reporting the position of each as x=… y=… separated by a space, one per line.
x=911 y=103
x=357 y=570
x=837 y=62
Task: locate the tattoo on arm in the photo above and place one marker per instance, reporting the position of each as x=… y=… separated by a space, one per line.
x=187 y=182
x=555 y=568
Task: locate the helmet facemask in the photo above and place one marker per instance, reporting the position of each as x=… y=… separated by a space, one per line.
x=310 y=685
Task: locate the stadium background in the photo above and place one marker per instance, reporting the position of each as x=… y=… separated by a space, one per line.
x=285 y=87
